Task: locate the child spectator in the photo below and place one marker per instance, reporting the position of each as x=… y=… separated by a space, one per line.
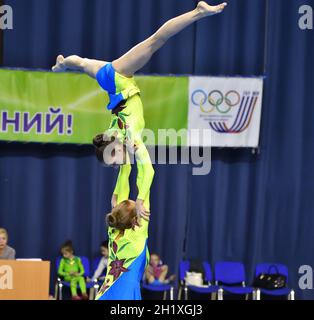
x=103 y=263
x=156 y=272
x=72 y=270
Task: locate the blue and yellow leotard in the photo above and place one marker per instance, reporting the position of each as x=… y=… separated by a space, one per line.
x=128 y=258
x=119 y=87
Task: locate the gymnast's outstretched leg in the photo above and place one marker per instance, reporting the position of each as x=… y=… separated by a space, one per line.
x=77 y=63
x=140 y=55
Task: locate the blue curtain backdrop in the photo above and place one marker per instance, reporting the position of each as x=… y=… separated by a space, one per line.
x=251 y=208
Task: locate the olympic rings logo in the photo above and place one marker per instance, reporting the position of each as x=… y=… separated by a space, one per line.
x=217 y=100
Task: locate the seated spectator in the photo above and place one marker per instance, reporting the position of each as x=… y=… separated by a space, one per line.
x=72 y=270
x=103 y=263
x=156 y=273
x=6 y=252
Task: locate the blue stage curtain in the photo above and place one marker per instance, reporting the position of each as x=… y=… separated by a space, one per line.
x=252 y=207
x=259 y=208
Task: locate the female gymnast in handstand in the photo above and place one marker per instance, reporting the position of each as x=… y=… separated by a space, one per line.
x=128 y=222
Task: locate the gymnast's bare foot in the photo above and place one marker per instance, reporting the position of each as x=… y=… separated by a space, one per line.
x=206 y=10
x=59 y=67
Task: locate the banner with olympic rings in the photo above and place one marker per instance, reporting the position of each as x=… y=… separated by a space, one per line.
x=229 y=107
x=46 y=107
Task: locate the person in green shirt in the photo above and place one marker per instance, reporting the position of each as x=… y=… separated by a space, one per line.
x=72 y=271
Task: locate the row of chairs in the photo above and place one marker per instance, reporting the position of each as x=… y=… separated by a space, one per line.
x=230 y=278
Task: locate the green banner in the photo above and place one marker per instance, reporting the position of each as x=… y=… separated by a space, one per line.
x=71 y=108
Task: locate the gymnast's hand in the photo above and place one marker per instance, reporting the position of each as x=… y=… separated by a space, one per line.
x=114 y=200
x=131 y=146
x=141 y=211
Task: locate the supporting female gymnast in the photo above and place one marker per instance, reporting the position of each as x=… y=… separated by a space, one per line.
x=127 y=121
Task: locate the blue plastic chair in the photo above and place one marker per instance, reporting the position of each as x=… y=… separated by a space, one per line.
x=271 y=268
x=230 y=277
x=165 y=288
x=184 y=268
x=60 y=283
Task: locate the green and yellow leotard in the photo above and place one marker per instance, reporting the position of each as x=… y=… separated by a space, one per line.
x=128 y=258
x=129 y=123
x=128 y=255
